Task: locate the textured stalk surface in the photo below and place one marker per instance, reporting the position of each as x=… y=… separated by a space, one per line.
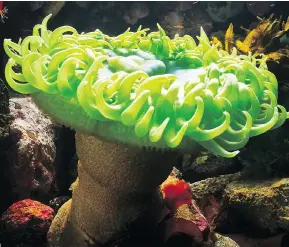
x=117 y=186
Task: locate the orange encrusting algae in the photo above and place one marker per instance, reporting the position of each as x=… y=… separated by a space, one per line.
x=176 y=192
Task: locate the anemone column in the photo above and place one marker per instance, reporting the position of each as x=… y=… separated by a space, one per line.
x=118 y=184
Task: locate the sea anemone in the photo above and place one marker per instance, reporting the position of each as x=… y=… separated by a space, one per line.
x=145 y=88
x=131 y=91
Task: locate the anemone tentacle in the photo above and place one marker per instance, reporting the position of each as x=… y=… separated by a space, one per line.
x=159 y=91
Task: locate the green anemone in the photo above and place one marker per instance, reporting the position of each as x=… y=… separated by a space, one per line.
x=145 y=88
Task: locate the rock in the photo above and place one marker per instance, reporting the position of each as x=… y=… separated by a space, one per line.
x=4 y=138
x=206 y=165
x=212 y=186
x=176 y=173
x=171 y=21
x=106 y=16
x=35 y=5
x=264 y=203
x=186 y=19
x=83 y=4
x=183 y=223
x=267 y=156
x=183 y=6
x=245 y=241
x=4 y=112
x=52 y=8
x=196 y=18
x=138 y=10
x=108 y=6
x=222 y=11
x=57 y=202
x=230 y=221
x=260 y=8
x=31 y=151
x=222 y=241
x=25 y=222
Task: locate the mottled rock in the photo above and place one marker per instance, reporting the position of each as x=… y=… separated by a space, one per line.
x=171 y=21
x=206 y=164
x=137 y=10
x=196 y=18
x=176 y=173
x=25 y=223
x=222 y=241
x=4 y=134
x=187 y=5
x=260 y=8
x=244 y=241
x=108 y=5
x=4 y=112
x=222 y=11
x=186 y=19
x=57 y=202
x=83 y=4
x=219 y=241
x=32 y=151
x=35 y=5
x=52 y=8
x=264 y=203
x=104 y=15
x=212 y=186
x=267 y=155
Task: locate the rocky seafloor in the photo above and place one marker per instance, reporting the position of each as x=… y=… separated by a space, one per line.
x=38 y=158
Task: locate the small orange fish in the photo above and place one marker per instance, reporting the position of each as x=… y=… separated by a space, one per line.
x=3 y=12
x=179 y=26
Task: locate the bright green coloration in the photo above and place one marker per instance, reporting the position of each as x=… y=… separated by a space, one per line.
x=147 y=89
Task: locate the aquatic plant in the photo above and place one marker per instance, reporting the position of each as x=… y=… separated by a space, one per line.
x=147 y=89
x=265 y=38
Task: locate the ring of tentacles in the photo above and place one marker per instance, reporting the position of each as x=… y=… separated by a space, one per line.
x=146 y=88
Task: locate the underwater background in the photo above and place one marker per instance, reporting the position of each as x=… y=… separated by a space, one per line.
x=244 y=199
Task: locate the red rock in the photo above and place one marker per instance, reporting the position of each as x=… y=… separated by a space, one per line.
x=26 y=222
